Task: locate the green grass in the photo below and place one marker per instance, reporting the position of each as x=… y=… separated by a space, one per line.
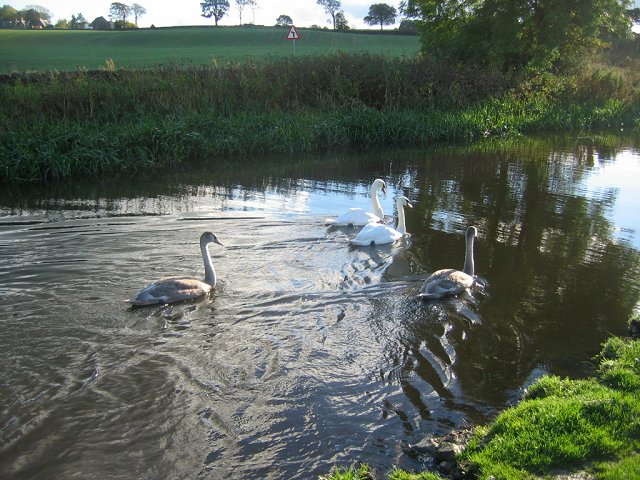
x=568 y=424
x=69 y=50
x=560 y=426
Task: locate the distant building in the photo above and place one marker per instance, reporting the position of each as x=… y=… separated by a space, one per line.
x=101 y=23
x=38 y=24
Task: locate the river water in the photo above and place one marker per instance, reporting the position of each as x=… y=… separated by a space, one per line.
x=310 y=353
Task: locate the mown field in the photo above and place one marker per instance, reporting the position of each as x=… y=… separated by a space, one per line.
x=67 y=50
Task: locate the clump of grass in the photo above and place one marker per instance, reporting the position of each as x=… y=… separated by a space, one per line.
x=361 y=472
x=566 y=423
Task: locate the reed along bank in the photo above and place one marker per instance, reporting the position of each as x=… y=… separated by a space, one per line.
x=60 y=124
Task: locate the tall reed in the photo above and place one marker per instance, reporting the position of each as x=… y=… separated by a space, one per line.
x=59 y=124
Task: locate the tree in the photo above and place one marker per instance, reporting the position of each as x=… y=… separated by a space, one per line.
x=341 y=21
x=214 y=8
x=42 y=13
x=253 y=4
x=8 y=16
x=241 y=4
x=381 y=14
x=537 y=35
x=408 y=26
x=331 y=7
x=284 y=21
x=138 y=11
x=119 y=12
x=62 y=24
x=78 y=22
x=29 y=15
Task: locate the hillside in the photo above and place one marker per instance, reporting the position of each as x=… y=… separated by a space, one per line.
x=65 y=50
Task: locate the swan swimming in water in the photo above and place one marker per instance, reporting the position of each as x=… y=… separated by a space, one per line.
x=176 y=289
x=377 y=234
x=450 y=281
x=358 y=216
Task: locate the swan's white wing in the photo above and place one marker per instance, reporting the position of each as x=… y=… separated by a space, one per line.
x=376 y=234
x=355 y=217
x=170 y=290
x=445 y=282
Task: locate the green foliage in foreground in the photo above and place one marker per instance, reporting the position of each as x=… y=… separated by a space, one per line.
x=568 y=423
x=53 y=126
x=560 y=425
x=363 y=472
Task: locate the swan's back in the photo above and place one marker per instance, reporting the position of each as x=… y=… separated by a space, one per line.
x=170 y=290
x=356 y=217
x=376 y=234
x=445 y=282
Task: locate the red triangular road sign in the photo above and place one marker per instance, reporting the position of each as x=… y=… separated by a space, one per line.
x=293 y=34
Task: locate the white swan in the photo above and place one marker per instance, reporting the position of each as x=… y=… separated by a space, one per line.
x=377 y=234
x=358 y=216
x=449 y=281
x=176 y=289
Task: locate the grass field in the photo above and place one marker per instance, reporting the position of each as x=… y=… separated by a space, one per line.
x=67 y=50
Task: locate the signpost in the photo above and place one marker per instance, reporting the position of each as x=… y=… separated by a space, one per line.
x=293 y=35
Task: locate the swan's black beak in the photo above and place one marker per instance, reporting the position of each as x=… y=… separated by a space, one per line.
x=218 y=242
x=384 y=190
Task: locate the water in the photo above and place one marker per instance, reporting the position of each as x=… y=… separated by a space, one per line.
x=311 y=353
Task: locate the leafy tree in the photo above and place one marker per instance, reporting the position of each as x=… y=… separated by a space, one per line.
x=381 y=14
x=62 y=24
x=408 y=26
x=124 y=25
x=284 y=21
x=138 y=11
x=332 y=7
x=29 y=15
x=42 y=13
x=78 y=22
x=8 y=14
x=214 y=8
x=341 y=22
x=119 y=11
x=537 y=35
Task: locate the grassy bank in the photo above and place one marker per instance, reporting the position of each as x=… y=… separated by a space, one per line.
x=55 y=125
x=561 y=425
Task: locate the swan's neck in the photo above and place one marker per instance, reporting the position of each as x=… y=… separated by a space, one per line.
x=209 y=271
x=402 y=229
x=468 y=258
x=376 y=208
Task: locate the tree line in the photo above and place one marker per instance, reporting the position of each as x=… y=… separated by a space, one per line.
x=36 y=16
x=379 y=13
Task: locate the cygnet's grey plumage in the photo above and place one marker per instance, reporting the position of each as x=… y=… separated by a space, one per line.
x=177 y=289
x=449 y=281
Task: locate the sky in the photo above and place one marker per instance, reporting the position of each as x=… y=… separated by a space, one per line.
x=166 y=13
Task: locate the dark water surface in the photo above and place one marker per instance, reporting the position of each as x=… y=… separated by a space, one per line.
x=310 y=353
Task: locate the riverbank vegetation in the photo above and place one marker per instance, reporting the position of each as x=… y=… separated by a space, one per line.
x=55 y=125
x=560 y=426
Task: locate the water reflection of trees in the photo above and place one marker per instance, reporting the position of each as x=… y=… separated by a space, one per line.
x=560 y=283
